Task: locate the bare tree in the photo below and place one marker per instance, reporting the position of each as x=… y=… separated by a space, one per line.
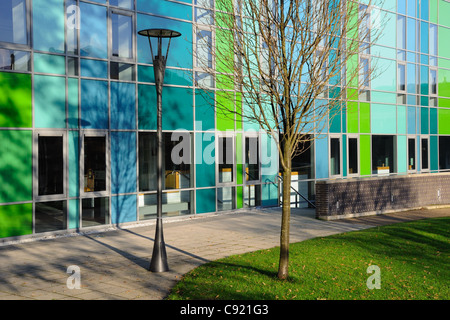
x=288 y=65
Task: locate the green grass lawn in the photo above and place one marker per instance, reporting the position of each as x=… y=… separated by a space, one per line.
x=413 y=258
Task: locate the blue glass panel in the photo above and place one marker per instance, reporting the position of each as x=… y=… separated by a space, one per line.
x=411 y=120
x=423 y=59
x=321 y=145
x=94 y=68
x=180 y=54
x=48 y=36
x=411 y=32
x=165 y=8
x=424 y=37
x=123 y=209
x=123 y=162
x=94 y=104
x=93 y=31
x=401 y=6
x=412 y=6
x=127 y=4
x=123 y=105
x=411 y=78
x=424 y=10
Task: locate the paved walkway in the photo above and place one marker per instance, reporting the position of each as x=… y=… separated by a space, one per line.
x=114 y=264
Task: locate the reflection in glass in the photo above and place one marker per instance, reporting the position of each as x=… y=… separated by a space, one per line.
x=50 y=165
x=14 y=60
x=94 y=164
x=335 y=156
x=174 y=203
x=72 y=31
x=122 y=71
x=13 y=21
x=411 y=154
x=252 y=196
x=147 y=161
x=122 y=30
x=401 y=77
x=50 y=216
x=126 y=4
x=95 y=211
x=225 y=198
x=176 y=160
x=226 y=163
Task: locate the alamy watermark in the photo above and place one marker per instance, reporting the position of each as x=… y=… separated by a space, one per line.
x=374 y=281
x=74 y=281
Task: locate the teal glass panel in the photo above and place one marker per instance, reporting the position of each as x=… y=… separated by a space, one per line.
x=424 y=37
x=48 y=25
x=424 y=9
x=411 y=78
x=269 y=159
x=123 y=105
x=180 y=54
x=47 y=63
x=205 y=159
x=388 y=21
x=424 y=80
x=74 y=214
x=146 y=74
x=411 y=120
x=401 y=119
x=269 y=194
x=411 y=34
x=94 y=68
x=384 y=81
x=49 y=102
x=383 y=118
x=165 y=8
x=171 y=76
x=123 y=162
x=335 y=120
x=74 y=164
x=411 y=100
x=206 y=200
x=321 y=147
x=401 y=6
x=402 y=158
x=433 y=121
x=93 y=31
x=424 y=59
x=123 y=209
x=434 y=159
x=204 y=110
x=177 y=108
x=424 y=120
x=72 y=101
x=424 y=101
x=383 y=97
x=146 y=107
x=94 y=104
x=344 y=155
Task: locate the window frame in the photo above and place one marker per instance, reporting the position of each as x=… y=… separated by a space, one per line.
x=339 y=137
x=246 y=135
x=232 y=137
x=353 y=136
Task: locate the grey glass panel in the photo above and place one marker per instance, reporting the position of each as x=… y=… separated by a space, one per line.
x=122 y=39
x=14 y=60
x=95 y=211
x=50 y=165
x=13 y=21
x=50 y=216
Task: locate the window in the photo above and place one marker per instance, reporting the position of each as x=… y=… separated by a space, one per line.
x=401 y=77
x=365 y=72
x=252 y=158
x=335 y=156
x=226 y=198
x=126 y=4
x=94 y=211
x=122 y=36
x=95 y=164
x=14 y=60
x=401 y=32
x=225 y=161
x=352 y=155
x=383 y=154
x=424 y=154
x=444 y=152
x=204 y=57
x=50 y=216
x=147 y=161
x=433 y=81
x=411 y=154
x=51 y=165
x=13 y=21
x=177 y=160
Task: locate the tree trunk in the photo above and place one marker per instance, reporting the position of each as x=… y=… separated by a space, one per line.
x=283 y=267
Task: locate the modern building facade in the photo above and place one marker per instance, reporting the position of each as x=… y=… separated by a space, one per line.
x=78 y=116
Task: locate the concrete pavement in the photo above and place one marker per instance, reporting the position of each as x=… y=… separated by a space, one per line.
x=113 y=265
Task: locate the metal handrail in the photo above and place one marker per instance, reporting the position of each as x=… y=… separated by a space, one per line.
x=309 y=202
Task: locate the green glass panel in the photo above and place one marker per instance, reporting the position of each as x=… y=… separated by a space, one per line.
x=239 y=159
x=16 y=220
x=424 y=120
x=239 y=197
x=73 y=103
x=206 y=200
x=433 y=11
x=383 y=118
x=401 y=119
x=444 y=63
x=49 y=102
x=444 y=13
x=15 y=165
x=204 y=110
x=434 y=159
x=444 y=83
x=365 y=161
x=205 y=159
x=225 y=110
x=74 y=214
x=48 y=25
x=444 y=103
x=444 y=121
x=443 y=36
x=48 y=63
x=74 y=163
x=433 y=121
x=388 y=22
x=15 y=100
x=335 y=120
x=224 y=51
x=352 y=117
x=364 y=117
x=402 y=158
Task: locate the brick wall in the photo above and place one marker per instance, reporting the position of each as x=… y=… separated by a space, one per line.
x=374 y=195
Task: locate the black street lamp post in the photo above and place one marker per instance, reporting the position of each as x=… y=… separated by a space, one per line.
x=159 y=256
